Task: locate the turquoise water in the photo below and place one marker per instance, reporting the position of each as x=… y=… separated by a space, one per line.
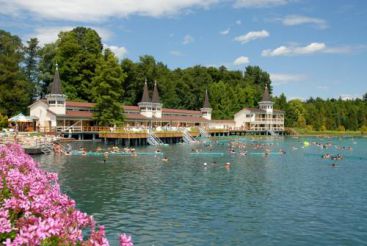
x=292 y=199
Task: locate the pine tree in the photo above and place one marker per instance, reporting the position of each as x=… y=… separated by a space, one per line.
x=107 y=91
x=31 y=59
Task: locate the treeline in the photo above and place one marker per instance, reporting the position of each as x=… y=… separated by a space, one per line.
x=90 y=72
x=320 y=115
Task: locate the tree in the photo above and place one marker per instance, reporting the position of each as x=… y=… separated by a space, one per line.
x=77 y=54
x=107 y=90
x=47 y=66
x=31 y=59
x=365 y=97
x=15 y=90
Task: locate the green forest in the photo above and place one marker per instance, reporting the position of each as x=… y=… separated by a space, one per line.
x=89 y=72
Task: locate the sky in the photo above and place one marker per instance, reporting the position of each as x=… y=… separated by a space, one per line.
x=310 y=48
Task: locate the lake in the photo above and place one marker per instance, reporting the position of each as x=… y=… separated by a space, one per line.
x=293 y=199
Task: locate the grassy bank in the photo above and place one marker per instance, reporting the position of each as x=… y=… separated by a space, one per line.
x=307 y=132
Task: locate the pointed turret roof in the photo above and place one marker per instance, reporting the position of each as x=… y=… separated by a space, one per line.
x=206 y=101
x=145 y=97
x=155 y=97
x=266 y=95
x=55 y=86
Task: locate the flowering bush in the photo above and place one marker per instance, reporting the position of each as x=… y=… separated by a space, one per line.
x=33 y=211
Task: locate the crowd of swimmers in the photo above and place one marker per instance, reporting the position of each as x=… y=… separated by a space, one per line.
x=234 y=147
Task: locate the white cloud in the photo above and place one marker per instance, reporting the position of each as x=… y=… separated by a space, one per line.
x=259 y=3
x=238 y=22
x=176 y=53
x=97 y=10
x=285 y=78
x=251 y=36
x=188 y=39
x=119 y=51
x=47 y=35
x=295 y=50
x=225 y=32
x=241 y=60
x=294 y=20
x=312 y=48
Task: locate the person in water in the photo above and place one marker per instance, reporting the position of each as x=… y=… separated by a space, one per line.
x=227 y=166
x=165 y=159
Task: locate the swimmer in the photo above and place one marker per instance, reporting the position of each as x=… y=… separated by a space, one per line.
x=165 y=159
x=84 y=152
x=227 y=166
x=243 y=153
x=105 y=155
x=67 y=153
x=333 y=165
x=205 y=164
x=98 y=149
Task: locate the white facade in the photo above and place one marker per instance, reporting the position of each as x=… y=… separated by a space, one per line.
x=206 y=113
x=260 y=120
x=222 y=124
x=41 y=111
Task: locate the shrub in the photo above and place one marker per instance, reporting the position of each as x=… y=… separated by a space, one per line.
x=33 y=211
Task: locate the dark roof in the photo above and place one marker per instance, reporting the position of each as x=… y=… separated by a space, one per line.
x=55 y=86
x=266 y=95
x=145 y=97
x=155 y=97
x=206 y=101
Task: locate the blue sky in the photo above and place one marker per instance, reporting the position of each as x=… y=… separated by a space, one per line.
x=310 y=48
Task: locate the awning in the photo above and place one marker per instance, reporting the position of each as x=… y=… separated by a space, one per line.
x=22 y=118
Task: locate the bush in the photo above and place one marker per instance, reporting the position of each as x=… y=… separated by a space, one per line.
x=33 y=211
x=341 y=128
x=363 y=129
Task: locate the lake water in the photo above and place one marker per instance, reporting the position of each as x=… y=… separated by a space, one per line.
x=292 y=199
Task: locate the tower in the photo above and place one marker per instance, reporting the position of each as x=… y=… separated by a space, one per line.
x=145 y=105
x=156 y=105
x=55 y=98
x=266 y=104
x=206 y=110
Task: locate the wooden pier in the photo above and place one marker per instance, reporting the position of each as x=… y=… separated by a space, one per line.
x=130 y=137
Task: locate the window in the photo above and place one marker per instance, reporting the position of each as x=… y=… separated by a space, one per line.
x=52 y=102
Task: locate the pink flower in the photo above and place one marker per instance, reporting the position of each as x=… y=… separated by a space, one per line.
x=42 y=212
x=125 y=240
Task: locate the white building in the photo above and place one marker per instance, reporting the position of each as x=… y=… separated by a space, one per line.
x=262 y=119
x=55 y=113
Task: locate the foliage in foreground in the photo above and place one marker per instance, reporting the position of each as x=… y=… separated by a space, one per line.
x=33 y=211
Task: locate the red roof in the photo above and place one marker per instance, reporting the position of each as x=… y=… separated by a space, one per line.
x=78 y=114
x=79 y=104
x=130 y=108
x=135 y=117
x=180 y=111
x=181 y=118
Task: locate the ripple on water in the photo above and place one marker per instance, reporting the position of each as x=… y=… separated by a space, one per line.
x=285 y=200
